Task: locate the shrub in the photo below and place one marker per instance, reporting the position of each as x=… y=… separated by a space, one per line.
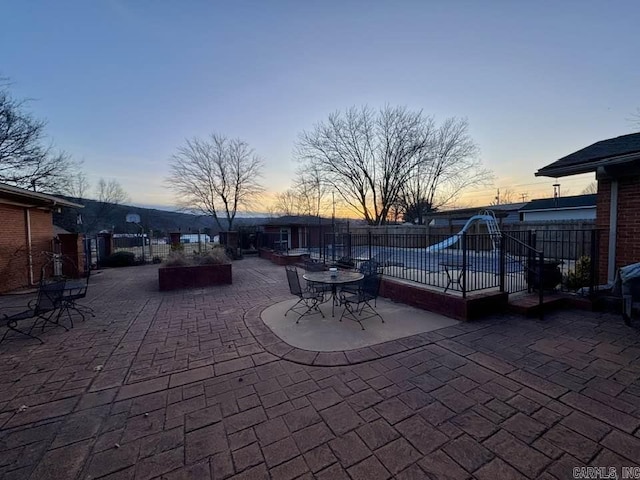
x=581 y=275
x=176 y=259
x=119 y=259
x=215 y=256
x=177 y=247
x=156 y=259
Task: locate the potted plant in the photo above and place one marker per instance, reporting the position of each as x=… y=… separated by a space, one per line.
x=179 y=271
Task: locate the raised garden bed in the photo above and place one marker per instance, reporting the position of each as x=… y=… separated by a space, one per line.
x=194 y=276
x=280 y=259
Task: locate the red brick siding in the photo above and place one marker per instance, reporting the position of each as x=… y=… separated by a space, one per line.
x=475 y=306
x=628 y=231
x=14 y=264
x=72 y=247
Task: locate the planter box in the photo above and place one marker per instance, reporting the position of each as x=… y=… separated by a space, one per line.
x=196 y=276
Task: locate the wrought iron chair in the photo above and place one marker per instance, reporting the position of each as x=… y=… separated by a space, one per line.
x=71 y=297
x=308 y=300
x=357 y=307
x=46 y=306
x=312 y=266
x=367 y=268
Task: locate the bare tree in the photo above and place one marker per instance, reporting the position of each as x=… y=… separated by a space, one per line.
x=374 y=159
x=111 y=192
x=312 y=191
x=590 y=189
x=216 y=177
x=78 y=185
x=25 y=159
x=634 y=120
x=289 y=202
x=449 y=165
x=504 y=196
x=109 y=195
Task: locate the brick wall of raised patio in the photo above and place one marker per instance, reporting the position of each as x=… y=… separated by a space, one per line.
x=453 y=306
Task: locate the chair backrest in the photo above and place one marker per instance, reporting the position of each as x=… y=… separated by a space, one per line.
x=294 y=280
x=311 y=266
x=371 y=285
x=49 y=296
x=369 y=267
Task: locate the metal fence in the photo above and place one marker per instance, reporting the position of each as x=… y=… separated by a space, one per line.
x=156 y=249
x=511 y=262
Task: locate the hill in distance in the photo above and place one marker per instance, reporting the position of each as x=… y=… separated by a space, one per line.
x=98 y=216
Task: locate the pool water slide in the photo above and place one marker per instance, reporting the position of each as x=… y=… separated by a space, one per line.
x=492 y=226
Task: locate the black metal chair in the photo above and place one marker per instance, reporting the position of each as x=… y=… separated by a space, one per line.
x=367 y=268
x=46 y=306
x=313 y=266
x=357 y=307
x=308 y=300
x=72 y=295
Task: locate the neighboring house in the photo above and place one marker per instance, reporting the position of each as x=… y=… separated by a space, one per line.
x=616 y=163
x=195 y=238
x=26 y=230
x=505 y=214
x=297 y=231
x=577 y=207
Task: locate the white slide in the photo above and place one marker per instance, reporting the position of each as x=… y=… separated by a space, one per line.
x=488 y=218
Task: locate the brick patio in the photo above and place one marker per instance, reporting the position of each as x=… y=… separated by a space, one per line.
x=190 y=385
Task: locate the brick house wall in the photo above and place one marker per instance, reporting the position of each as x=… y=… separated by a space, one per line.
x=72 y=247
x=14 y=257
x=628 y=231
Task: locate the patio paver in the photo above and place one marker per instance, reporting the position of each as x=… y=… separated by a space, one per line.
x=192 y=384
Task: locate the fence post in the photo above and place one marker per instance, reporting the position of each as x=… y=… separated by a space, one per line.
x=369 y=242
x=502 y=261
x=593 y=261
x=531 y=259
x=464 y=265
x=151 y=244
x=541 y=285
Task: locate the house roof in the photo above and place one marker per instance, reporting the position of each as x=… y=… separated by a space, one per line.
x=623 y=149
x=498 y=210
x=27 y=198
x=289 y=220
x=561 y=203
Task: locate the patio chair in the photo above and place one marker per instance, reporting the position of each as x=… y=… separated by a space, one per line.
x=358 y=306
x=46 y=306
x=308 y=300
x=367 y=268
x=313 y=266
x=71 y=297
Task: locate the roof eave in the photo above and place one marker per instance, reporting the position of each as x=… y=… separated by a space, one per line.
x=35 y=199
x=592 y=166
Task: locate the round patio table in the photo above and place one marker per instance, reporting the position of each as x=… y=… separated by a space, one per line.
x=340 y=278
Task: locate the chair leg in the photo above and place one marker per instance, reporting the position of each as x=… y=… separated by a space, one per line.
x=312 y=305
x=55 y=323
x=292 y=308
x=12 y=326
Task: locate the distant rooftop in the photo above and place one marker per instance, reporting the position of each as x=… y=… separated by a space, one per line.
x=499 y=210
x=575 y=201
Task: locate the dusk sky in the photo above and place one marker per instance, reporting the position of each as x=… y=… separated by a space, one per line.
x=123 y=83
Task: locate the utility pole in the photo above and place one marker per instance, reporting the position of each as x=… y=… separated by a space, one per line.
x=333 y=227
x=524 y=197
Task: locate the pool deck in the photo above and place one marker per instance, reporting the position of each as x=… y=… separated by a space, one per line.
x=181 y=385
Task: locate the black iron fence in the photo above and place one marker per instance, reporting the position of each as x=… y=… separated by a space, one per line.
x=512 y=262
x=157 y=249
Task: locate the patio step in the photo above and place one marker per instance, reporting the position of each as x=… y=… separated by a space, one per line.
x=528 y=304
